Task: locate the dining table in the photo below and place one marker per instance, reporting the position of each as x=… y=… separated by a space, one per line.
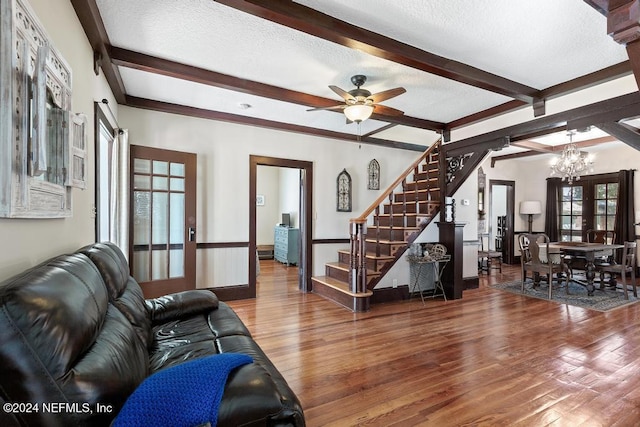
x=588 y=251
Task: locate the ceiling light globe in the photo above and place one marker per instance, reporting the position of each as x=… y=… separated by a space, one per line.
x=358 y=113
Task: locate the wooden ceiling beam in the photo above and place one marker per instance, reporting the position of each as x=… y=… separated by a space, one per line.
x=558 y=148
x=202 y=113
x=91 y=21
x=617 y=108
x=588 y=80
x=310 y=21
x=380 y=129
x=151 y=64
x=623 y=132
x=534 y=146
x=623 y=24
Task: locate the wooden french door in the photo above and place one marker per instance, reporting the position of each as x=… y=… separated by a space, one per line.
x=588 y=204
x=162 y=243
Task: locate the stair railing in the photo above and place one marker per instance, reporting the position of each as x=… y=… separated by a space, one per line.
x=358 y=226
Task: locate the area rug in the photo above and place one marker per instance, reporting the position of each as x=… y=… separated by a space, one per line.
x=602 y=300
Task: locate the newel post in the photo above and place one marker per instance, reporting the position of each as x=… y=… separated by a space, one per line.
x=357 y=261
x=451 y=236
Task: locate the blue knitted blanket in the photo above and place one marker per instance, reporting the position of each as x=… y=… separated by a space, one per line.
x=188 y=394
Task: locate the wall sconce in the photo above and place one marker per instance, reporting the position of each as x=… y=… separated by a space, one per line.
x=531 y=208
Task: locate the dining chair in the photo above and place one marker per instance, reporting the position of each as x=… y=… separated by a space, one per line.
x=543 y=261
x=525 y=256
x=606 y=237
x=628 y=265
x=488 y=259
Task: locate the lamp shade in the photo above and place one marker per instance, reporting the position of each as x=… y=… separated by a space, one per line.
x=530 y=207
x=358 y=112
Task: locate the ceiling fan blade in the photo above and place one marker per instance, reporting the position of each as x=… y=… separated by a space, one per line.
x=386 y=94
x=335 y=107
x=383 y=110
x=342 y=93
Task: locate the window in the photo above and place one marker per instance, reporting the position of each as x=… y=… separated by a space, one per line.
x=104 y=163
x=606 y=197
x=571 y=213
x=588 y=204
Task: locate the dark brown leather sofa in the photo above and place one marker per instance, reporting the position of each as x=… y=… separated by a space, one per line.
x=76 y=331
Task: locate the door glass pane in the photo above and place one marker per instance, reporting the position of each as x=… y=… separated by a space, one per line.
x=176 y=214
x=177 y=184
x=577 y=207
x=159 y=264
x=160 y=183
x=142 y=166
x=177 y=169
x=159 y=220
x=141 y=182
x=141 y=265
x=141 y=218
x=160 y=168
x=176 y=263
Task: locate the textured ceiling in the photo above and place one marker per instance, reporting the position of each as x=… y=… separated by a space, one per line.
x=537 y=43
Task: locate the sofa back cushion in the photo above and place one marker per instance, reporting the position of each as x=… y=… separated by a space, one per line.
x=124 y=292
x=61 y=341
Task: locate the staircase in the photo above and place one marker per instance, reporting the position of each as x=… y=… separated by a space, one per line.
x=381 y=234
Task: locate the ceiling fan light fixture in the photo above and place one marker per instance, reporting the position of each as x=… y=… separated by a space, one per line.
x=358 y=112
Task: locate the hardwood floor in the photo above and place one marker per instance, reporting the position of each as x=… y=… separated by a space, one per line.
x=489 y=359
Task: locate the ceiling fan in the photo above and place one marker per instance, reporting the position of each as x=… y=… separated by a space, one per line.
x=360 y=103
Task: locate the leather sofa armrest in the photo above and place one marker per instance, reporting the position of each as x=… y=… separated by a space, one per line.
x=181 y=304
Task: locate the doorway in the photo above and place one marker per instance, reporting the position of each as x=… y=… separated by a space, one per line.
x=162 y=220
x=501 y=218
x=304 y=218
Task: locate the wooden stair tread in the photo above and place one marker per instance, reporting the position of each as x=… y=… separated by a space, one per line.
x=387 y=242
x=370 y=255
x=340 y=286
x=345 y=267
x=405 y=214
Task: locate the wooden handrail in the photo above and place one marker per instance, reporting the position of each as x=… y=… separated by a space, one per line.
x=363 y=217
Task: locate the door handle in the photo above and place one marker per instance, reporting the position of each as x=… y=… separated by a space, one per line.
x=192 y=234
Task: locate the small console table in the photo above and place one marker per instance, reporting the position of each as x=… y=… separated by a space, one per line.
x=438 y=265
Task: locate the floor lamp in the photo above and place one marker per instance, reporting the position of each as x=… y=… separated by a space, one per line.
x=531 y=208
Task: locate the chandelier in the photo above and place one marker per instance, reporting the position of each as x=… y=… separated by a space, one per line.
x=571 y=163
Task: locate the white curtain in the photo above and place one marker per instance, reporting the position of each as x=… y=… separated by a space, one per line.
x=119 y=191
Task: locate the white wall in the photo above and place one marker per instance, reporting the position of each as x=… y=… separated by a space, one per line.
x=290 y=194
x=281 y=189
x=223 y=151
x=28 y=242
x=267 y=216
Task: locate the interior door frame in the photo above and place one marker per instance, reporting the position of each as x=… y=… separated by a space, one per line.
x=509 y=237
x=306 y=258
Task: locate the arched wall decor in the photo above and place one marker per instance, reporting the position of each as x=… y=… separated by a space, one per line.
x=343 y=192
x=374 y=175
